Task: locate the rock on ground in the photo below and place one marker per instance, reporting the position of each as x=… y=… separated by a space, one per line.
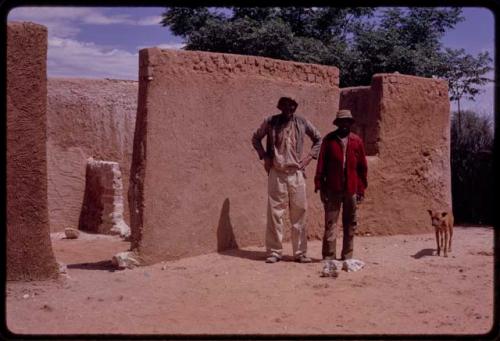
x=71 y=233
x=125 y=260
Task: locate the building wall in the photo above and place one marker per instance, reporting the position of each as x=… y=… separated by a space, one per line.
x=196 y=182
x=409 y=167
x=85 y=118
x=29 y=251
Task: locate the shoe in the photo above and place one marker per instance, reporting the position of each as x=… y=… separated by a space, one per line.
x=303 y=259
x=272 y=259
x=329 y=258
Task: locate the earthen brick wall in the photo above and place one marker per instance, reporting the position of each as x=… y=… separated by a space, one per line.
x=86 y=118
x=195 y=177
x=408 y=136
x=29 y=251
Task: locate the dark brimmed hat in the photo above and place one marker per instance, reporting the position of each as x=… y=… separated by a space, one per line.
x=343 y=114
x=283 y=100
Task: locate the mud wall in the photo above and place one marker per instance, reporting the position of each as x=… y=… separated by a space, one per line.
x=196 y=183
x=409 y=140
x=86 y=118
x=102 y=209
x=29 y=251
x=363 y=107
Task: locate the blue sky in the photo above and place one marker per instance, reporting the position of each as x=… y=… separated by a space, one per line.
x=100 y=42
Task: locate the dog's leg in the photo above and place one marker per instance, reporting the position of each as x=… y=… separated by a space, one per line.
x=441 y=239
x=446 y=241
x=450 y=228
x=437 y=242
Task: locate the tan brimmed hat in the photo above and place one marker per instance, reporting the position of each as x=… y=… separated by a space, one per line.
x=343 y=115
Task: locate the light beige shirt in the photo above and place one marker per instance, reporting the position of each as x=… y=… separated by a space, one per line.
x=344 y=141
x=285 y=154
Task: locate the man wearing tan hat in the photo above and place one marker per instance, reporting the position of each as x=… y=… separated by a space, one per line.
x=285 y=167
x=341 y=178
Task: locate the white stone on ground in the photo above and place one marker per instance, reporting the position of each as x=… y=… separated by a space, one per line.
x=71 y=233
x=125 y=260
x=351 y=265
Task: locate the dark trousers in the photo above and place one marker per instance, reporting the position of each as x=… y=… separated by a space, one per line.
x=332 y=210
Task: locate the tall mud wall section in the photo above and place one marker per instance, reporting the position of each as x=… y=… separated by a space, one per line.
x=405 y=121
x=197 y=185
x=29 y=251
x=86 y=118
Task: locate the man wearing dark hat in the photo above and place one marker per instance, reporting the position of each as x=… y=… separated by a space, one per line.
x=285 y=167
x=341 y=178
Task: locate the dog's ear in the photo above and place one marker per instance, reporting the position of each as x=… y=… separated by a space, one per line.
x=444 y=214
x=430 y=212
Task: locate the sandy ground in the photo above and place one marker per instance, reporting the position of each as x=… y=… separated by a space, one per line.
x=403 y=288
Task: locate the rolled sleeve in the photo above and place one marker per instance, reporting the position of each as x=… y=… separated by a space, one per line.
x=315 y=137
x=257 y=139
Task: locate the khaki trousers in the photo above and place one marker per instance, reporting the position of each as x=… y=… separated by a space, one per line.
x=349 y=222
x=286 y=189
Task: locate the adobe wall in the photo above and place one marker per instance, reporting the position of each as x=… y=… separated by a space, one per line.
x=86 y=118
x=29 y=251
x=102 y=209
x=196 y=183
x=410 y=171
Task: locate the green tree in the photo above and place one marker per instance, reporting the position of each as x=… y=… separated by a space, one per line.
x=310 y=35
x=466 y=75
x=403 y=40
x=360 y=44
x=472 y=168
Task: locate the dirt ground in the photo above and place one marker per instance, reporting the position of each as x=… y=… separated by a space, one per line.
x=403 y=289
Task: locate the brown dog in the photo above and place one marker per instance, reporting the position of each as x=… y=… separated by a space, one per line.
x=443 y=223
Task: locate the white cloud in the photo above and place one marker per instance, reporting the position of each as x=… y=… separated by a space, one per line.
x=148 y=21
x=175 y=46
x=96 y=18
x=72 y=58
x=65 y=21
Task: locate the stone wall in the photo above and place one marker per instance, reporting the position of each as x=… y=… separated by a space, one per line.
x=29 y=251
x=86 y=118
x=195 y=179
x=408 y=136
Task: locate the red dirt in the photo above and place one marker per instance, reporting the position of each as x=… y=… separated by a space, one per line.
x=403 y=289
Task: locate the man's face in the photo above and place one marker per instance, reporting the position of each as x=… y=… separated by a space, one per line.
x=344 y=126
x=288 y=108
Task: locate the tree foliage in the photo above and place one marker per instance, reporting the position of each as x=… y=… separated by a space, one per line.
x=465 y=73
x=472 y=168
x=309 y=35
x=360 y=41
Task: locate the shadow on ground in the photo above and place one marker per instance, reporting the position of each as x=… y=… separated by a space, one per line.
x=101 y=265
x=423 y=253
x=256 y=255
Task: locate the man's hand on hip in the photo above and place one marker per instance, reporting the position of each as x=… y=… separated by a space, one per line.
x=359 y=198
x=322 y=195
x=268 y=162
x=304 y=162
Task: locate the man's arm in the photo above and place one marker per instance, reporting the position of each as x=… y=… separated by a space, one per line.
x=257 y=138
x=315 y=137
x=320 y=168
x=362 y=169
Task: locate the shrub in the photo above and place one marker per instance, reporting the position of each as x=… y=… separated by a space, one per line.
x=472 y=168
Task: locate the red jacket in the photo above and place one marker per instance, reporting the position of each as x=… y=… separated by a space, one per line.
x=329 y=172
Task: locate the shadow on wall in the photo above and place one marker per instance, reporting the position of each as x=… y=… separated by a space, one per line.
x=225 y=234
x=226 y=241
